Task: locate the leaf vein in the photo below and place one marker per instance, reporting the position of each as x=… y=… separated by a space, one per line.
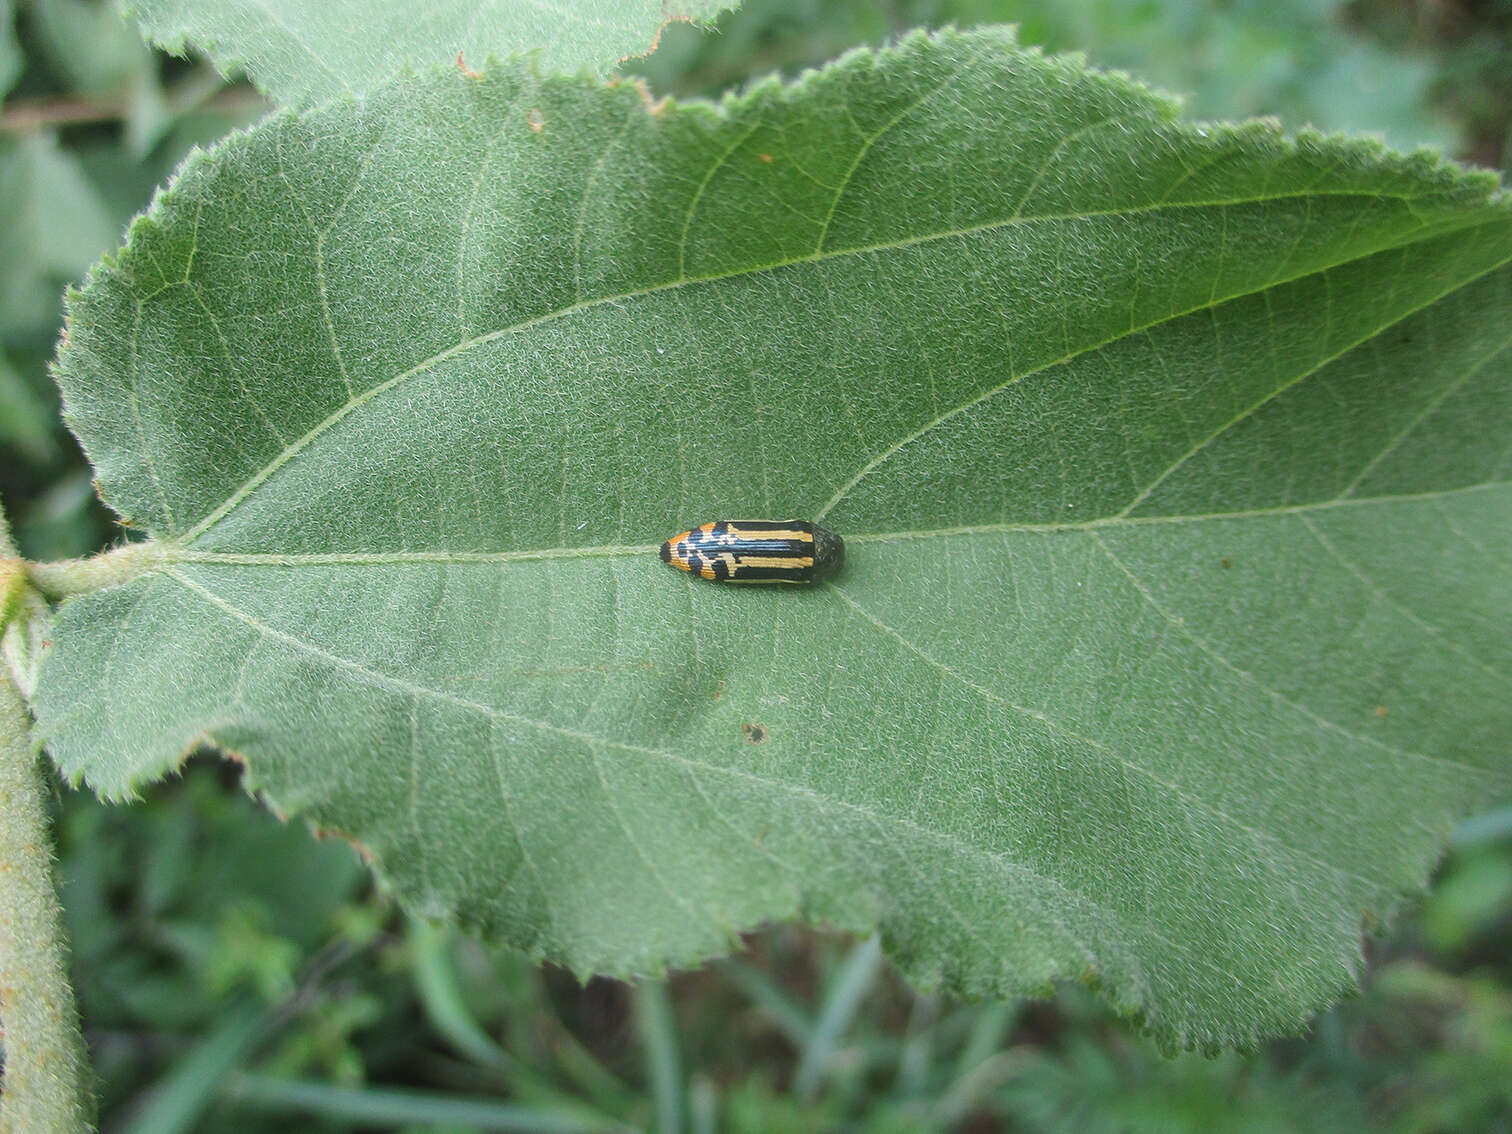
x=1044 y=165
x=171 y=554
x=148 y=463
x=1256 y=835
x=1383 y=597
x=1252 y=409
x=714 y=167
x=428 y=364
x=1275 y=694
x=1427 y=411
x=866 y=147
x=1110 y=917
x=553 y=926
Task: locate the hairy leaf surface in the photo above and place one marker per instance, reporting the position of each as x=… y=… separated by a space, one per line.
x=1172 y=462
x=302 y=53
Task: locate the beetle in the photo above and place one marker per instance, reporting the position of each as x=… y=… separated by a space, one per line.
x=756 y=551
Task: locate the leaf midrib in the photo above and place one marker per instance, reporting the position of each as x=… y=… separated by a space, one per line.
x=1423 y=232
x=231 y=559
x=168 y=553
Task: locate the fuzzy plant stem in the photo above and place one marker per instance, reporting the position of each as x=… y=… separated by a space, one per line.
x=47 y=1081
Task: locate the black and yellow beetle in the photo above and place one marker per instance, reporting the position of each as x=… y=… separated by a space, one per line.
x=757 y=551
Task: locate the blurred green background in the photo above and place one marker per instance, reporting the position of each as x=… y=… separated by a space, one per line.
x=235 y=973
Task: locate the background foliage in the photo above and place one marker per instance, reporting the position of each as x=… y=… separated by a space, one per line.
x=200 y=1012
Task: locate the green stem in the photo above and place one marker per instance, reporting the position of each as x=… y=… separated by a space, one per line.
x=446 y=1008
x=46 y=1081
x=47 y=1078
x=398 y=1107
x=9 y=559
x=66 y=577
x=658 y=1029
x=857 y=976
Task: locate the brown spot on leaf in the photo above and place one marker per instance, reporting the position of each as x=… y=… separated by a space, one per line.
x=536 y=119
x=466 y=70
x=764 y=157
x=1224 y=562
x=363 y=851
x=1382 y=711
x=755 y=733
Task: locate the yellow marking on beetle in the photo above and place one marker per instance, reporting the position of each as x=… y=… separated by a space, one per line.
x=765 y=533
x=769 y=561
x=735 y=564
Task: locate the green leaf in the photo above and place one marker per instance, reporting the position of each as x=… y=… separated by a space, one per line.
x=1172 y=461
x=301 y=53
x=27 y=420
x=1297 y=60
x=55 y=226
x=12 y=61
x=96 y=51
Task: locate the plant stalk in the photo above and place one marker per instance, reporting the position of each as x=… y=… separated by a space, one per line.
x=47 y=1084
x=62 y=578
